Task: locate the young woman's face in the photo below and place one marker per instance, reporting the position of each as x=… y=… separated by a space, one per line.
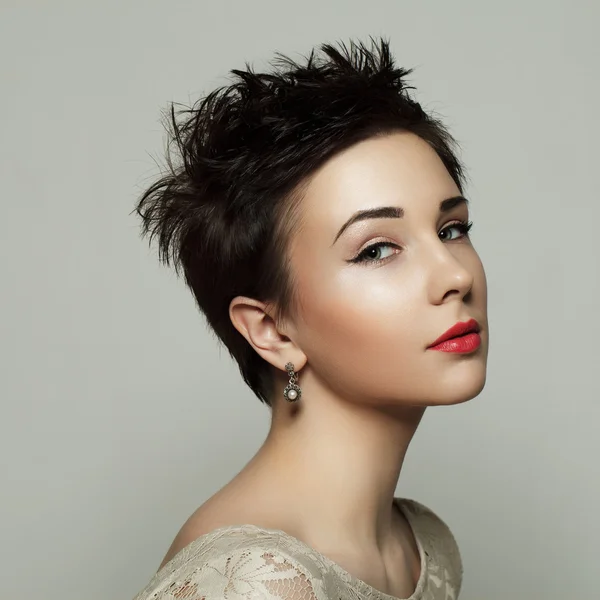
x=368 y=315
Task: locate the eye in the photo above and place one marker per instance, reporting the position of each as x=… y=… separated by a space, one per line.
x=463 y=228
x=374 y=253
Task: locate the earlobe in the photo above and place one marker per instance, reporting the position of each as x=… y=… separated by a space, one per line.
x=251 y=319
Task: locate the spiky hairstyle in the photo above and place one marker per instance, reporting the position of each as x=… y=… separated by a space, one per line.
x=237 y=163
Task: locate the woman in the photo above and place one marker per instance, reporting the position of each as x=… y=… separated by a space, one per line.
x=317 y=214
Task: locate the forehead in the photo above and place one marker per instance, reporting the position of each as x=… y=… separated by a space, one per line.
x=399 y=169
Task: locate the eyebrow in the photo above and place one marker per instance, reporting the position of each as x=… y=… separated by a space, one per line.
x=395 y=212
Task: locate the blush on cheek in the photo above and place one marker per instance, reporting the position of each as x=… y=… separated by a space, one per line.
x=352 y=313
x=358 y=350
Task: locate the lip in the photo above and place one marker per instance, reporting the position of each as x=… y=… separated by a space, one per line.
x=461 y=328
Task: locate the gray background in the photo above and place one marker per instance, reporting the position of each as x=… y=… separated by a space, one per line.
x=120 y=414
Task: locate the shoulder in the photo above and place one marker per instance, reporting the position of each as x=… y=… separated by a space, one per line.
x=437 y=539
x=238 y=563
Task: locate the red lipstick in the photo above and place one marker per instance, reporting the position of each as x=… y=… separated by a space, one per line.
x=462 y=338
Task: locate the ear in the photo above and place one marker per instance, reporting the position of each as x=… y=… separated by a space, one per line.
x=253 y=320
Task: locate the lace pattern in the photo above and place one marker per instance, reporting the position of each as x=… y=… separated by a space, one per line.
x=246 y=562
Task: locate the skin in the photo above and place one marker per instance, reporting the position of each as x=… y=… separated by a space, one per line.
x=329 y=468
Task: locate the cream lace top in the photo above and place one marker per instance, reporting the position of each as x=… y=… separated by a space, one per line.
x=247 y=562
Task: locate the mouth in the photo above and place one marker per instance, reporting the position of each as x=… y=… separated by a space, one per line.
x=462 y=337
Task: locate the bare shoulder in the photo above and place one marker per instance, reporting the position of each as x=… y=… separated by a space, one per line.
x=232 y=562
x=225 y=509
x=205 y=519
x=239 y=568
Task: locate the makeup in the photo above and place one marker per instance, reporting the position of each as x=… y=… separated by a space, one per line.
x=461 y=338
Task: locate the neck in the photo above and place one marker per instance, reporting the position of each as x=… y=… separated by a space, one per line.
x=331 y=467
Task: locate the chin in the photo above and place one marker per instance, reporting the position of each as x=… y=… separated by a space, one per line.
x=465 y=397
x=461 y=386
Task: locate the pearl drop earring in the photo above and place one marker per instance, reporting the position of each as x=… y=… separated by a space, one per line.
x=292 y=391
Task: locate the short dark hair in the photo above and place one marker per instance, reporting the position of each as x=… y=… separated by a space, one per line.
x=238 y=161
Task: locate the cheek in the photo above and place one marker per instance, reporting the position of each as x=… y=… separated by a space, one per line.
x=359 y=324
x=357 y=305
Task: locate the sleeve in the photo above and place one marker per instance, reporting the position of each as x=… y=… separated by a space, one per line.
x=251 y=573
x=451 y=557
x=439 y=543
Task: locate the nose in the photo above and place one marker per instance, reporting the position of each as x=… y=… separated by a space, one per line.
x=449 y=275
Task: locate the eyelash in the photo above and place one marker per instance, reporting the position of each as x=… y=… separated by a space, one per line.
x=463 y=226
